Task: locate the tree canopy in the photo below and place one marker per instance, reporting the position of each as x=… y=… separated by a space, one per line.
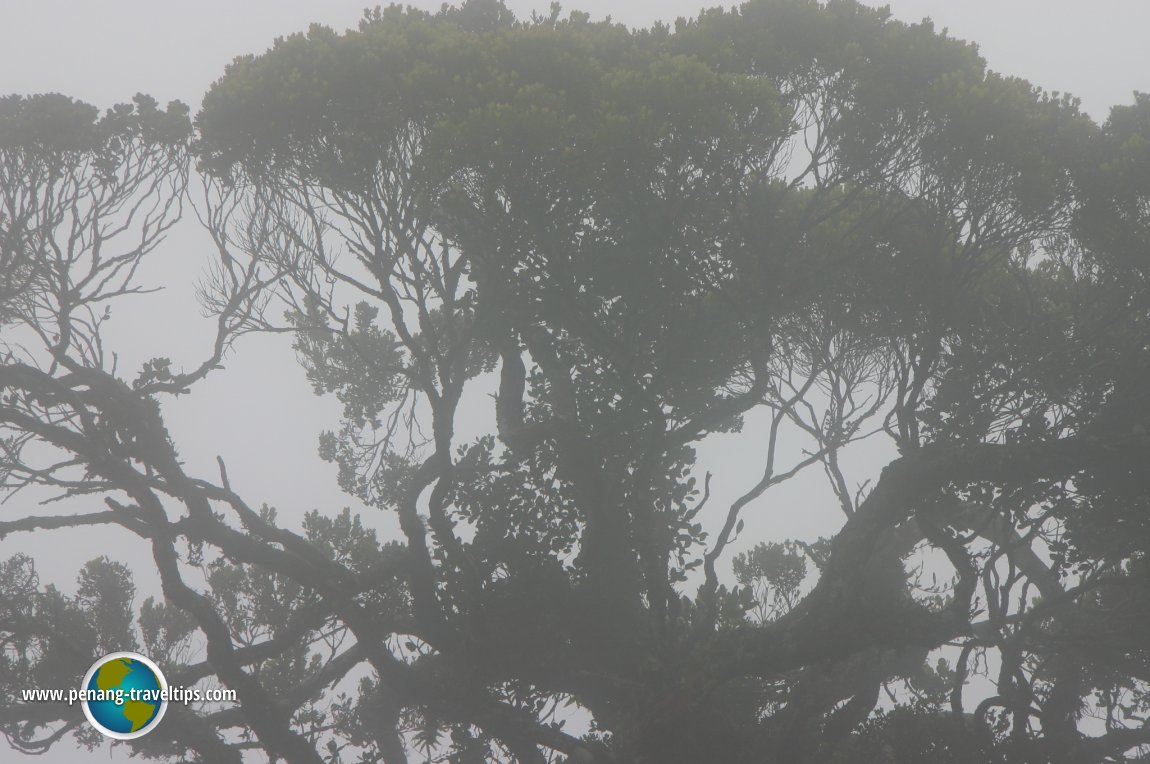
x=802 y=222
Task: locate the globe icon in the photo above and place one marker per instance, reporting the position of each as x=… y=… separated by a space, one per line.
x=124 y=695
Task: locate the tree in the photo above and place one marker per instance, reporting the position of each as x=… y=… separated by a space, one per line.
x=806 y=223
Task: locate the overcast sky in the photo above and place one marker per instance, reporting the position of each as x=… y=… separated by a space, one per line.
x=110 y=50
x=259 y=414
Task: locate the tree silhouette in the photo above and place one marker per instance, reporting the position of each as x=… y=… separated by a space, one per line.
x=806 y=223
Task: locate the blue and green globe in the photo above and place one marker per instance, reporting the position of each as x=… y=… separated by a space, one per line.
x=123 y=714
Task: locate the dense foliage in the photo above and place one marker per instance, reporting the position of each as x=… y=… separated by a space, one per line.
x=804 y=223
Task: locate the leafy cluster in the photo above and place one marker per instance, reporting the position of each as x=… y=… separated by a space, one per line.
x=545 y=265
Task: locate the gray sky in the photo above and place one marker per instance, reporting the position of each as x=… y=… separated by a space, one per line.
x=110 y=50
x=259 y=414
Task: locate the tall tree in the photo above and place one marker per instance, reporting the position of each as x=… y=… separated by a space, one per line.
x=804 y=222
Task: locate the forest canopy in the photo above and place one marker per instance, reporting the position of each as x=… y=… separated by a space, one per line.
x=805 y=223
